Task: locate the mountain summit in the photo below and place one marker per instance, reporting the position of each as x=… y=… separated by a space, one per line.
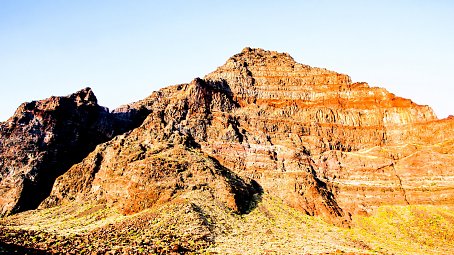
x=259 y=130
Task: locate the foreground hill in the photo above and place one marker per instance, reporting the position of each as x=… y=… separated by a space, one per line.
x=253 y=155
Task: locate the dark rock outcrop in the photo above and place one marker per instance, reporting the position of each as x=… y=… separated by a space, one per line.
x=45 y=138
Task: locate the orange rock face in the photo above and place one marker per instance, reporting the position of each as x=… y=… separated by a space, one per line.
x=365 y=145
x=264 y=123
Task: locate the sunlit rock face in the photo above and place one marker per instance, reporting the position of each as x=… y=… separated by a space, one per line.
x=264 y=123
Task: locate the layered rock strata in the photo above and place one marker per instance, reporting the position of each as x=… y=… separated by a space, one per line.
x=293 y=119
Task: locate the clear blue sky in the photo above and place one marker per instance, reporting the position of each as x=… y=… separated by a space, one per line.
x=126 y=49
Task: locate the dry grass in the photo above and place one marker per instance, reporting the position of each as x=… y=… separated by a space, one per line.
x=64 y=220
x=274 y=228
x=201 y=225
x=414 y=229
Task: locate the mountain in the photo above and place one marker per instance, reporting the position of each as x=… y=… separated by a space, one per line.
x=261 y=136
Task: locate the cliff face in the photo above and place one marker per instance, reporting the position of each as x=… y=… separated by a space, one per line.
x=44 y=139
x=262 y=122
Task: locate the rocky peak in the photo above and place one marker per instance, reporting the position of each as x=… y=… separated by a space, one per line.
x=257 y=62
x=85 y=96
x=260 y=57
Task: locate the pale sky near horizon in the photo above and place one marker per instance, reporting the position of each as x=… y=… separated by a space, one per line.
x=125 y=50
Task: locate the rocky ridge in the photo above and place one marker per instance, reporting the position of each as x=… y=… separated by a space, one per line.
x=43 y=139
